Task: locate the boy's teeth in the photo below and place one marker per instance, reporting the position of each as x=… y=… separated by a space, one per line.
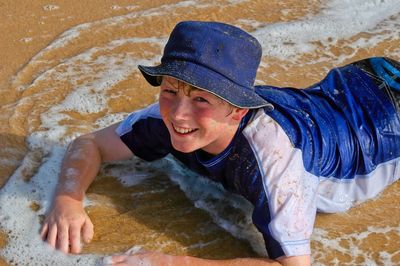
x=183 y=130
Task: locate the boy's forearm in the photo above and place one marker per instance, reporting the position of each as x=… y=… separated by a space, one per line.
x=230 y=262
x=79 y=168
x=286 y=261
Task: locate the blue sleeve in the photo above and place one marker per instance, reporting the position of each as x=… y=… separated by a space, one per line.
x=261 y=219
x=145 y=134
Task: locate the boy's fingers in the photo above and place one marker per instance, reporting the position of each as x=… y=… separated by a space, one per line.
x=63 y=239
x=43 y=231
x=118 y=259
x=87 y=231
x=75 y=239
x=52 y=235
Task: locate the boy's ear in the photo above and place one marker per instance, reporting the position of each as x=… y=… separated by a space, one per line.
x=239 y=113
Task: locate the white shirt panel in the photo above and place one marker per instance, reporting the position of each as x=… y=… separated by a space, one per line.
x=291 y=191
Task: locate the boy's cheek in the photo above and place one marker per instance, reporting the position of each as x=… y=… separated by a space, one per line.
x=163 y=112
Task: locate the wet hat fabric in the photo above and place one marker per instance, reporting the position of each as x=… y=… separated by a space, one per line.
x=213 y=56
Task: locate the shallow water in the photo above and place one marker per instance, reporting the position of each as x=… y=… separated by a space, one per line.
x=69 y=69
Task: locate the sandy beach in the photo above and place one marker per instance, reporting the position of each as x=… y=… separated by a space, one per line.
x=70 y=67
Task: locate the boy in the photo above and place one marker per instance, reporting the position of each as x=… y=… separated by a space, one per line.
x=290 y=152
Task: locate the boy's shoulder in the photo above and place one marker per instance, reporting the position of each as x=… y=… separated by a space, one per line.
x=145 y=133
x=152 y=111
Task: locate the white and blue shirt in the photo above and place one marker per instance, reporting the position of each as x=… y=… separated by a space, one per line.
x=324 y=148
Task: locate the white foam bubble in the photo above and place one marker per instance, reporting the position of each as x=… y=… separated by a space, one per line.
x=50 y=7
x=129 y=7
x=109 y=119
x=26 y=39
x=132 y=179
x=234 y=2
x=116 y=7
x=339 y=19
x=127 y=172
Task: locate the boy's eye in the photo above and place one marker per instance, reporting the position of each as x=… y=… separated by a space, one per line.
x=200 y=99
x=169 y=91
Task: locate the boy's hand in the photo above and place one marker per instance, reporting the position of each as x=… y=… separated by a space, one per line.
x=140 y=258
x=66 y=224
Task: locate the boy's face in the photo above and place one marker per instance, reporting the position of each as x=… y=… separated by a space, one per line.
x=197 y=119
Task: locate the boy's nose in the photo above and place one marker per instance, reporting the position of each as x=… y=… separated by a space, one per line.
x=181 y=108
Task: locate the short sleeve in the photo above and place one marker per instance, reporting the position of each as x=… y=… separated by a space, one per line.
x=145 y=133
x=286 y=214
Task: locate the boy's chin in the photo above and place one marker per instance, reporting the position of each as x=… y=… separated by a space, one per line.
x=184 y=149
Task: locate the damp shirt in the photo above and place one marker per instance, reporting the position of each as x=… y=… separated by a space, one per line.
x=324 y=148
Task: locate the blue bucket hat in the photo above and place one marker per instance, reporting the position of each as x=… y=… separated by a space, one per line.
x=212 y=56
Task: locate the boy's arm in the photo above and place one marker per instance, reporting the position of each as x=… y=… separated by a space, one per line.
x=67 y=220
x=157 y=258
x=304 y=260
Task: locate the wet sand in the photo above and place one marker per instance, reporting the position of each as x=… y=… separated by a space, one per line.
x=37 y=75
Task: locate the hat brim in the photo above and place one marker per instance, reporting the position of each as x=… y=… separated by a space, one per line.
x=205 y=79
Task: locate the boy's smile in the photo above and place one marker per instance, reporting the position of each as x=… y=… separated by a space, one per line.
x=183 y=131
x=197 y=119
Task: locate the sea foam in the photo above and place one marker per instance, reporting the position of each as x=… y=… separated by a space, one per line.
x=339 y=19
